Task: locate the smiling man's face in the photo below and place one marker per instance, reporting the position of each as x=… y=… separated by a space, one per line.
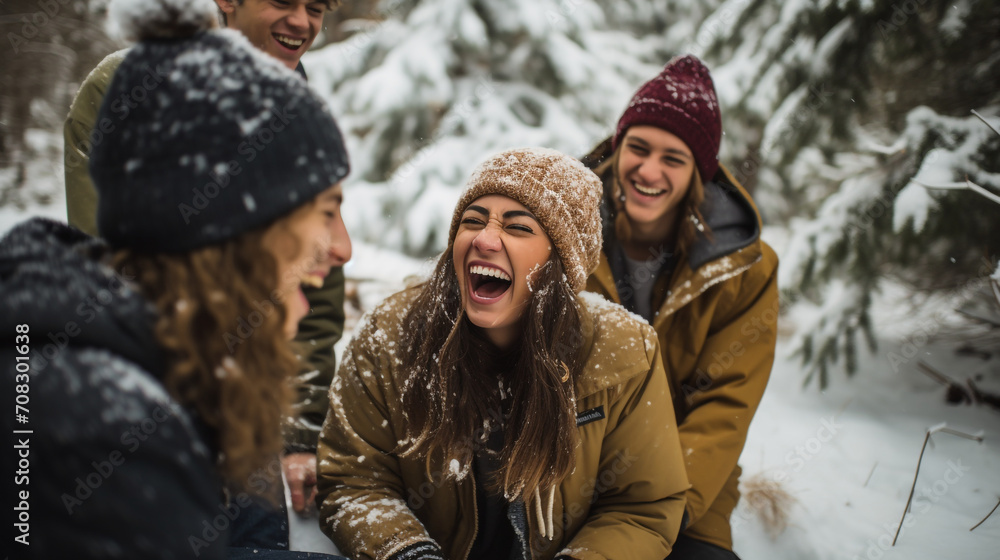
x=284 y=29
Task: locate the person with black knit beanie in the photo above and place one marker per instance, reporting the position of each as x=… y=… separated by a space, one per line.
x=157 y=358
x=682 y=249
x=285 y=31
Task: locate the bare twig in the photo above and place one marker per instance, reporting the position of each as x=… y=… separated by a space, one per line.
x=968 y=393
x=912 y=488
x=987 y=516
x=974 y=437
x=980 y=318
x=986 y=122
x=939 y=428
x=935 y=374
x=956 y=391
x=959 y=186
x=865 y=485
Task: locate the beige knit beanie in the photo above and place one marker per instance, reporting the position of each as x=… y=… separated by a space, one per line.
x=564 y=195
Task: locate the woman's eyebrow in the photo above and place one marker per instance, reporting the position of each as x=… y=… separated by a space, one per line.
x=516 y=213
x=477 y=209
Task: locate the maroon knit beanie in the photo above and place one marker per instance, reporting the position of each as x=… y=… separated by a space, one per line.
x=682 y=101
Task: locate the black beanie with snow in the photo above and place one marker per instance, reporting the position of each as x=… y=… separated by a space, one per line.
x=202 y=136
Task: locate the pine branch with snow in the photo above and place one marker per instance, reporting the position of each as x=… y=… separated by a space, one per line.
x=834 y=113
x=429 y=89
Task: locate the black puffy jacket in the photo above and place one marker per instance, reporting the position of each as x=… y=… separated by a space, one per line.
x=113 y=467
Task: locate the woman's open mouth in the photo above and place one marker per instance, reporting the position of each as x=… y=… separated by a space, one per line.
x=487 y=284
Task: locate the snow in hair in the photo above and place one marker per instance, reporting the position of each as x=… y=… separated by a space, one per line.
x=162 y=19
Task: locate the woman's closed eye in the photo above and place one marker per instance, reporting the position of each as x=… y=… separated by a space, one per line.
x=521 y=228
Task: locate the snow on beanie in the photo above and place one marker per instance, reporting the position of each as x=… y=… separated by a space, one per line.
x=564 y=195
x=201 y=136
x=682 y=101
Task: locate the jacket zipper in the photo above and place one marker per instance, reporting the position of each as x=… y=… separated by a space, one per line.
x=704 y=288
x=475 y=519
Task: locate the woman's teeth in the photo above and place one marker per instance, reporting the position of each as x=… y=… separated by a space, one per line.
x=485 y=271
x=645 y=191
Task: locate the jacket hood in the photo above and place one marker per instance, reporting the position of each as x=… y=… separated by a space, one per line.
x=732 y=219
x=55 y=279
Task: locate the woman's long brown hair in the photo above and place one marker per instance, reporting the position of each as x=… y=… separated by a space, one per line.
x=207 y=300
x=690 y=221
x=453 y=390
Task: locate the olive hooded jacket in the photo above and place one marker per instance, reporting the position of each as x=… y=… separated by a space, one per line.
x=715 y=313
x=623 y=500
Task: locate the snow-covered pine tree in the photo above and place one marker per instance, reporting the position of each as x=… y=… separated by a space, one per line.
x=832 y=109
x=48 y=48
x=425 y=89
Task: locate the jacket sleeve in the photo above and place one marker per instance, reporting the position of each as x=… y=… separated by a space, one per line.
x=360 y=489
x=117 y=471
x=80 y=130
x=642 y=507
x=723 y=392
x=318 y=333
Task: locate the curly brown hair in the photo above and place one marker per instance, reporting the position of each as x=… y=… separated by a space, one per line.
x=207 y=301
x=452 y=390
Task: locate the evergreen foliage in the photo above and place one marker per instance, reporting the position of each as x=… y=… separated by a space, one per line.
x=833 y=109
x=426 y=89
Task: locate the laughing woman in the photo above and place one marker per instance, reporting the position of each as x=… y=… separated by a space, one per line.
x=493 y=412
x=682 y=248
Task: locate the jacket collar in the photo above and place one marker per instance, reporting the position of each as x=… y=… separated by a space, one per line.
x=734 y=247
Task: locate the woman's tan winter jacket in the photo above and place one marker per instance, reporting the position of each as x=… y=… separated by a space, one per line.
x=717 y=327
x=623 y=500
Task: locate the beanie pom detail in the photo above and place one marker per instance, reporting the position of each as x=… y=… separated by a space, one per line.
x=141 y=20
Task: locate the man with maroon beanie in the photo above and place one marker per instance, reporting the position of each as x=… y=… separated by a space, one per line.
x=682 y=249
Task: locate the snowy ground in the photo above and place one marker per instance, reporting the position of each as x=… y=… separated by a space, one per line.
x=846 y=456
